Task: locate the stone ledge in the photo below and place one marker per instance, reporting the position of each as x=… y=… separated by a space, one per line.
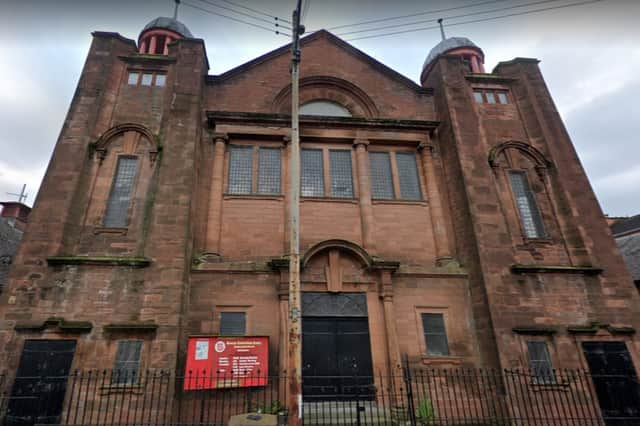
x=489 y=78
x=555 y=269
x=57 y=324
x=131 y=327
x=135 y=262
x=534 y=330
x=594 y=327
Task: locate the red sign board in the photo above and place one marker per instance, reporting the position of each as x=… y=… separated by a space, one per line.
x=225 y=362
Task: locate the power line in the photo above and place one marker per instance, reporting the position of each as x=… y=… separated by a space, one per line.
x=412 y=15
x=236 y=19
x=271 y=22
x=259 y=12
x=482 y=12
x=477 y=20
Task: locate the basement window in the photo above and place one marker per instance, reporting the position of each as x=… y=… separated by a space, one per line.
x=233 y=323
x=435 y=334
x=540 y=362
x=126 y=369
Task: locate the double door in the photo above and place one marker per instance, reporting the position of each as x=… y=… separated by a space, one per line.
x=336 y=359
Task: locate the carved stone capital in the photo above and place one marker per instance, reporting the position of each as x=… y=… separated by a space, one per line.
x=363 y=142
x=427 y=147
x=220 y=137
x=101 y=154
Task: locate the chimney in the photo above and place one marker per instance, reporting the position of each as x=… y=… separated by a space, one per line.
x=16 y=214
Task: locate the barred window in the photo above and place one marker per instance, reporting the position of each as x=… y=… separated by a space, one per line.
x=525 y=200
x=233 y=323
x=312 y=175
x=408 y=176
x=435 y=335
x=126 y=369
x=341 y=174
x=240 y=169
x=381 y=179
x=540 y=362
x=269 y=171
x=116 y=213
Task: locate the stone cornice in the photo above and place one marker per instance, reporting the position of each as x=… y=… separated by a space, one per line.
x=555 y=269
x=56 y=324
x=283 y=120
x=135 y=262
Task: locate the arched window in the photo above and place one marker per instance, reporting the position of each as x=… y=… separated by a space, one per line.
x=326 y=108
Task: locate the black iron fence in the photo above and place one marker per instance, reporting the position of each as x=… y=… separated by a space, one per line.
x=414 y=397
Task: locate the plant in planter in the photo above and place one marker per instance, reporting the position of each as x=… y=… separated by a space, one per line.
x=425 y=413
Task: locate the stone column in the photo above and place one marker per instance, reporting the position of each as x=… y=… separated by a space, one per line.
x=395 y=362
x=441 y=239
x=152 y=44
x=214 y=219
x=364 y=193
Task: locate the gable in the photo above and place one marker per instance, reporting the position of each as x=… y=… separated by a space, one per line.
x=330 y=69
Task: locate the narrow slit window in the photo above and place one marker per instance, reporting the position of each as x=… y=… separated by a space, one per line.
x=408 y=176
x=540 y=362
x=240 y=169
x=233 y=323
x=312 y=174
x=147 y=79
x=116 y=213
x=161 y=80
x=133 y=78
x=527 y=207
x=269 y=171
x=341 y=173
x=381 y=178
x=126 y=369
x=435 y=335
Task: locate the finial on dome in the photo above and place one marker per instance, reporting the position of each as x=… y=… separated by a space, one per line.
x=175 y=10
x=441 y=29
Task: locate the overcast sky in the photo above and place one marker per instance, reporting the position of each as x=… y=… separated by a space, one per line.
x=590 y=59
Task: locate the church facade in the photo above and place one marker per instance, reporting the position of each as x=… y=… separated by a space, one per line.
x=445 y=224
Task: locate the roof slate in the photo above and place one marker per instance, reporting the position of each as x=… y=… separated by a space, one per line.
x=630 y=248
x=625 y=226
x=9 y=240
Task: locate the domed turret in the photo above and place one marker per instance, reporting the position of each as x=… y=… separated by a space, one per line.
x=157 y=34
x=461 y=46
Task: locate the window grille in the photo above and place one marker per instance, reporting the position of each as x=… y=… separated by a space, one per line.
x=312 y=176
x=233 y=323
x=116 y=213
x=381 y=179
x=269 y=171
x=240 y=169
x=127 y=365
x=540 y=362
x=341 y=173
x=408 y=176
x=435 y=335
x=525 y=200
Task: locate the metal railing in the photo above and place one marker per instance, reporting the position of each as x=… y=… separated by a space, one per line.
x=467 y=397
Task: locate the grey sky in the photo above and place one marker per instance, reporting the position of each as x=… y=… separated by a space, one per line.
x=590 y=59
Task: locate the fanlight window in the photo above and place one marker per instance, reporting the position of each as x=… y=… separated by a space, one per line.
x=326 y=108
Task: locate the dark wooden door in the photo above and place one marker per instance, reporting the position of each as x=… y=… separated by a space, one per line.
x=615 y=381
x=38 y=391
x=336 y=359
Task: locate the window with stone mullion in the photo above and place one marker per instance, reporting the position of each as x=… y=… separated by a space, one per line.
x=381 y=177
x=312 y=173
x=341 y=173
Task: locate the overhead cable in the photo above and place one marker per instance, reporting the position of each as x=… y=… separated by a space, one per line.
x=259 y=12
x=268 y=21
x=413 y=15
x=271 y=30
x=477 y=20
x=481 y=12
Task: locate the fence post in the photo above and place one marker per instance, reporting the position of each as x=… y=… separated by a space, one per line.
x=409 y=390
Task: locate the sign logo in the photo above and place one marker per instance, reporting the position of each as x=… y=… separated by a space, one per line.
x=220 y=346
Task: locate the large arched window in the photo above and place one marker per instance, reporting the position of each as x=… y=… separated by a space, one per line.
x=326 y=108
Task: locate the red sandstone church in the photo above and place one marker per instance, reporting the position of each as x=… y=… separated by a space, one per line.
x=446 y=224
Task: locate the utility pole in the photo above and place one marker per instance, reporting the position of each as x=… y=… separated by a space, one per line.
x=295 y=315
